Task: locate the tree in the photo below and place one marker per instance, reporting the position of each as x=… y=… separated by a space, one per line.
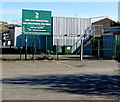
x=7 y=26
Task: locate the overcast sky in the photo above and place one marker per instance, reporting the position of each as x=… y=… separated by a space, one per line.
x=12 y=11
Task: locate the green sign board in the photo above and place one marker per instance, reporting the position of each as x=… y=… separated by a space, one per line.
x=36 y=22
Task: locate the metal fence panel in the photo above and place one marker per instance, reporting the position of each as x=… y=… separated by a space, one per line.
x=108 y=46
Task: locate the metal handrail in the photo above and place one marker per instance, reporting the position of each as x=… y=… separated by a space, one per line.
x=91 y=33
x=84 y=36
x=78 y=40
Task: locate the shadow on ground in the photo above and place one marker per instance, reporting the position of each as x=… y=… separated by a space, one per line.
x=75 y=84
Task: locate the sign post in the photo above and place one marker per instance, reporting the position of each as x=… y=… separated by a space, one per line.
x=33 y=51
x=25 y=47
x=35 y=22
x=46 y=42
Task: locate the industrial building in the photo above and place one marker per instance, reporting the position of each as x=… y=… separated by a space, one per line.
x=70 y=31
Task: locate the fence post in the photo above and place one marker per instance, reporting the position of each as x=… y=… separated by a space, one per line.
x=98 y=49
x=57 y=50
x=81 y=52
x=115 y=44
x=20 y=48
x=91 y=49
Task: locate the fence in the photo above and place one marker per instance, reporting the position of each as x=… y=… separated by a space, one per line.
x=101 y=48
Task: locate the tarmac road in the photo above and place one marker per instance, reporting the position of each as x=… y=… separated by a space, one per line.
x=60 y=80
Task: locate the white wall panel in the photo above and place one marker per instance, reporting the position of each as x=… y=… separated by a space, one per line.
x=70 y=26
x=18 y=31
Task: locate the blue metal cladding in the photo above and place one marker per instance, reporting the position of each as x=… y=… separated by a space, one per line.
x=87 y=49
x=108 y=45
x=49 y=42
x=39 y=41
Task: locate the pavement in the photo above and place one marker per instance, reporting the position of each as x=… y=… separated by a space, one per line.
x=60 y=80
x=36 y=56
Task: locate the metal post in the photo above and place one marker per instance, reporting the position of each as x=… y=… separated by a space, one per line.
x=57 y=50
x=25 y=47
x=98 y=49
x=81 y=52
x=91 y=48
x=33 y=48
x=46 y=43
x=20 y=49
x=115 y=44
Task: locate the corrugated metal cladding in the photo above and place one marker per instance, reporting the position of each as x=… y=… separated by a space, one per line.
x=108 y=45
x=39 y=41
x=72 y=27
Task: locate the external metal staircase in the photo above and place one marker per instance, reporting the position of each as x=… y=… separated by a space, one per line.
x=90 y=34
